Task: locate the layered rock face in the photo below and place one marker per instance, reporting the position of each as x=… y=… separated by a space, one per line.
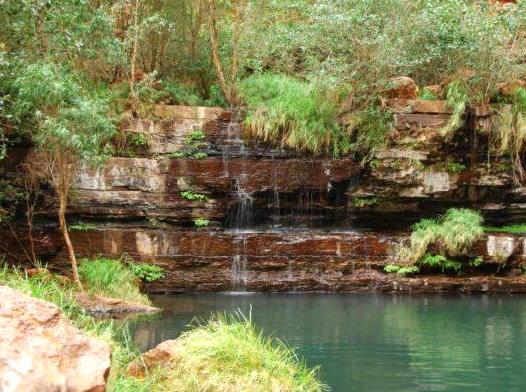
x=287 y=222
x=40 y=351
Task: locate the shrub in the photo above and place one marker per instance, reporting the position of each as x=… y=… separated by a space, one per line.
x=289 y=112
x=146 y=272
x=110 y=278
x=453 y=233
x=188 y=195
x=201 y=222
x=230 y=354
x=441 y=262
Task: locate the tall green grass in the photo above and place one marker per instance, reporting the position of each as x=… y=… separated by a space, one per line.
x=228 y=354
x=111 y=278
x=290 y=112
x=453 y=234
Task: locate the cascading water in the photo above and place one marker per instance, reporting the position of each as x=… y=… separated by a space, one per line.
x=239 y=264
x=240 y=215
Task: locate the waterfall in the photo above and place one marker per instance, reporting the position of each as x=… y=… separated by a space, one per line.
x=239 y=271
x=240 y=213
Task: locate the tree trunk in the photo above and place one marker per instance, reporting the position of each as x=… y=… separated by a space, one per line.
x=65 y=234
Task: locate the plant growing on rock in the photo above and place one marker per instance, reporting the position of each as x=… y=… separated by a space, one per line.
x=452 y=234
x=146 y=272
x=191 y=196
x=201 y=222
x=72 y=129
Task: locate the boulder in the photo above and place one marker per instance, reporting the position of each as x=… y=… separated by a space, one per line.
x=162 y=355
x=40 y=351
x=402 y=87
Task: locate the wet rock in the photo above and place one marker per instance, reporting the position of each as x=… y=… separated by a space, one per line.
x=113 y=307
x=41 y=351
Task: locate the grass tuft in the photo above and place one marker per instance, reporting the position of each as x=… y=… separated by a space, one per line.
x=228 y=354
x=453 y=233
x=111 y=278
x=292 y=113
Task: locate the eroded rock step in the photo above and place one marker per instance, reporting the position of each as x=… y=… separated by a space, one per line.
x=265 y=260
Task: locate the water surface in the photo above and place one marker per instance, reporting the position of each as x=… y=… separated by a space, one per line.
x=377 y=342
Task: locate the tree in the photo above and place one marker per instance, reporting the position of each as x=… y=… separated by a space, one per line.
x=72 y=129
x=227 y=82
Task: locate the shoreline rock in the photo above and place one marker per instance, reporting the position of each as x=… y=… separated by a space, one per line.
x=40 y=351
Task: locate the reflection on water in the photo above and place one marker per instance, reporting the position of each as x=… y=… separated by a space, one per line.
x=375 y=342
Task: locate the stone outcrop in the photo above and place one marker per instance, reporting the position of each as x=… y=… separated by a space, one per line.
x=297 y=260
x=291 y=215
x=160 y=356
x=40 y=351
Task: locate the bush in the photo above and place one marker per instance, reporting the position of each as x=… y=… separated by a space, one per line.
x=453 y=233
x=229 y=354
x=147 y=272
x=110 y=278
x=289 y=112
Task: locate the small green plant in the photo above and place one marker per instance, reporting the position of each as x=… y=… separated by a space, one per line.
x=200 y=155
x=147 y=272
x=441 y=262
x=177 y=155
x=201 y=222
x=455 y=167
x=427 y=95
x=401 y=270
x=476 y=262
x=189 y=195
x=196 y=136
x=137 y=139
x=361 y=202
x=82 y=227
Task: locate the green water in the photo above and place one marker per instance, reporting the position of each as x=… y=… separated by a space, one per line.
x=378 y=342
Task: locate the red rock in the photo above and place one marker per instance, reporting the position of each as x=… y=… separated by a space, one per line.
x=402 y=87
x=40 y=351
x=161 y=355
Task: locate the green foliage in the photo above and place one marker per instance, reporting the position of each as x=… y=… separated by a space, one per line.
x=201 y=222
x=189 y=195
x=289 y=112
x=427 y=95
x=229 y=353
x=146 y=272
x=196 y=136
x=509 y=136
x=454 y=233
x=70 y=121
x=361 y=202
x=110 y=278
x=200 y=155
x=441 y=262
x=457 y=100
x=455 y=167
x=402 y=270
x=476 y=262
x=368 y=129
x=82 y=227
x=511 y=229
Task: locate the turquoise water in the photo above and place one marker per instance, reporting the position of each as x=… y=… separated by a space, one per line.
x=377 y=342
